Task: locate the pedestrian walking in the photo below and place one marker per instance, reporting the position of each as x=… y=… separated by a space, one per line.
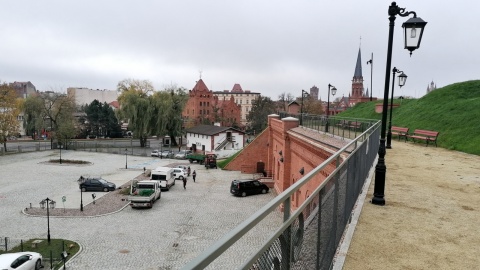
x=188 y=170
x=194 y=174
x=185 y=183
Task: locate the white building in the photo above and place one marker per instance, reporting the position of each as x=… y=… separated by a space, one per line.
x=84 y=95
x=244 y=98
x=214 y=138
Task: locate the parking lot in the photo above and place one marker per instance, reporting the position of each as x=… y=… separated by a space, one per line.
x=178 y=227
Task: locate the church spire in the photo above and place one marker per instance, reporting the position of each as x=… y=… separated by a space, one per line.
x=358 y=67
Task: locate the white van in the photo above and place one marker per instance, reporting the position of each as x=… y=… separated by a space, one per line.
x=164 y=175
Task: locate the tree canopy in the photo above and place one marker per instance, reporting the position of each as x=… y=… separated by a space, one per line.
x=9 y=111
x=101 y=120
x=258 y=116
x=151 y=112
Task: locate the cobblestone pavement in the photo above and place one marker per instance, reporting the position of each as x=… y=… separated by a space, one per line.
x=177 y=229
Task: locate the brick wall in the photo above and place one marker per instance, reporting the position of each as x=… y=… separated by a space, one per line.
x=284 y=154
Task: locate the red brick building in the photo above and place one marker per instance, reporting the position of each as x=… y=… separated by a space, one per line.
x=203 y=107
x=282 y=150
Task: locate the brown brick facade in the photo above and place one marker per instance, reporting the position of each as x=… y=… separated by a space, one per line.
x=203 y=107
x=285 y=148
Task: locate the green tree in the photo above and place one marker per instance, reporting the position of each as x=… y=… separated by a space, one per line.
x=101 y=120
x=136 y=108
x=34 y=115
x=258 y=116
x=149 y=112
x=9 y=111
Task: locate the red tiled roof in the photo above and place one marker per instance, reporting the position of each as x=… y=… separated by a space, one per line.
x=114 y=104
x=200 y=86
x=237 y=88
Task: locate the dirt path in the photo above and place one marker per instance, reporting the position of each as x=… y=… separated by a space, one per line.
x=431 y=216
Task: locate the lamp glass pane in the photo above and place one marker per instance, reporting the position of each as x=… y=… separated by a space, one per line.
x=412 y=36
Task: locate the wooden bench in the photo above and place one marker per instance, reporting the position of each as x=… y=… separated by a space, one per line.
x=426 y=135
x=400 y=132
x=355 y=125
x=342 y=124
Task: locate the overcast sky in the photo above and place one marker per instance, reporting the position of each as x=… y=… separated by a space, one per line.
x=270 y=47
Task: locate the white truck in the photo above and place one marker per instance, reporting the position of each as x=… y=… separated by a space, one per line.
x=164 y=175
x=144 y=193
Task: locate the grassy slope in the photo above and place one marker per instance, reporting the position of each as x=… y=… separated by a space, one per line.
x=453 y=110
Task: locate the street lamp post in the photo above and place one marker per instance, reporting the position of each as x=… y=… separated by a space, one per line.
x=81 y=199
x=49 y=203
x=371 y=76
x=334 y=90
x=402 y=78
x=161 y=150
x=304 y=94
x=412 y=42
x=60 y=146
x=126 y=158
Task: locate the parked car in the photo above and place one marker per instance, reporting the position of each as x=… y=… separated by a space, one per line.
x=155 y=153
x=95 y=184
x=183 y=154
x=179 y=173
x=21 y=261
x=167 y=154
x=246 y=187
x=185 y=167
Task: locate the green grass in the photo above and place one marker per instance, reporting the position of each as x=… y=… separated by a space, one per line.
x=453 y=110
x=222 y=163
x=56 y=246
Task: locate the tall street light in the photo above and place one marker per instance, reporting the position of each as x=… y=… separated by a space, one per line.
x=402 y=78
x=126 y=158
x=49 y=203
x=371 y=76
x=304 y=94
x=334 y=91
x=413 y=36
x=60 y=146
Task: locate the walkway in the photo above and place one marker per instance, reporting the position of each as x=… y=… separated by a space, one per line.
x=431 y=216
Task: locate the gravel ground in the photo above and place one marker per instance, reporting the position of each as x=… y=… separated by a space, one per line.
x=109 y=203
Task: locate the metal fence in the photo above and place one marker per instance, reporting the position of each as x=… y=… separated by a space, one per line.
x=309 y=236
x=339 y=126
x=111 y=146
x=52 y=256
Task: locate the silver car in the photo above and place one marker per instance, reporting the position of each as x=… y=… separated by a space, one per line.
x=155 y=153
x=183 y=154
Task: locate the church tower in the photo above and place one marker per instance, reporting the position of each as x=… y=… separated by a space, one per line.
x=357 y=82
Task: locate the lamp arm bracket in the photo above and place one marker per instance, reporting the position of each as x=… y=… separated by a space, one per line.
x=394 y=10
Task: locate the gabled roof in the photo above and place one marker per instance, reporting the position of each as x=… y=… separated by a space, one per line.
x=358 y=67
x=200 y=86
x=293 y=102
x=210 y=130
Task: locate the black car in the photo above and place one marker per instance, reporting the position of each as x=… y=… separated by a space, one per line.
x=246 y=187
x=96 y=184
